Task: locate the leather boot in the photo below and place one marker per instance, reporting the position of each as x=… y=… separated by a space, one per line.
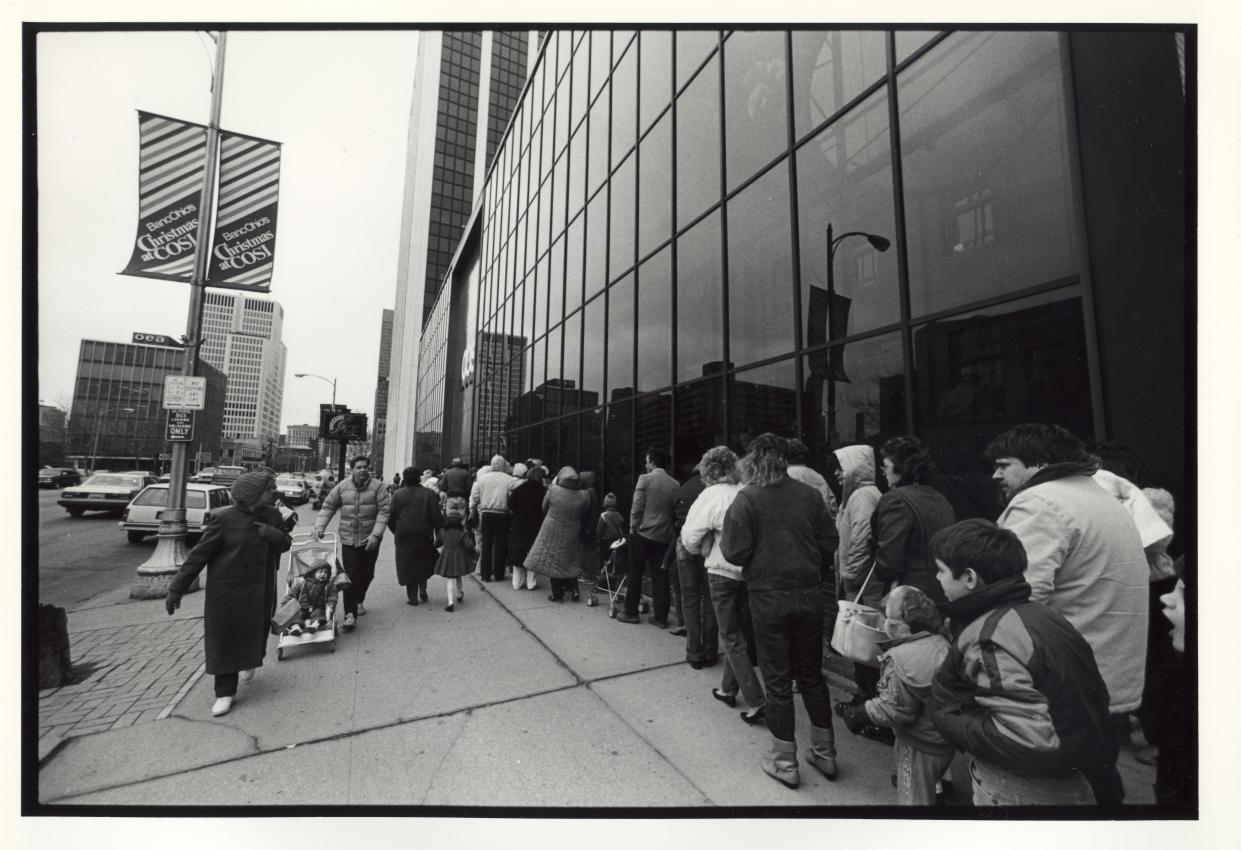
x=822 y=753
x=781 y=762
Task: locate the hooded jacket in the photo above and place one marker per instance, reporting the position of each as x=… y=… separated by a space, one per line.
x=491 y=490
x=1019 y=689
x=907 y=668
x=1086 y=562
x=859 y=497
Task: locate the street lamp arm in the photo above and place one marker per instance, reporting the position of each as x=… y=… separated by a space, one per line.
x=331 y=381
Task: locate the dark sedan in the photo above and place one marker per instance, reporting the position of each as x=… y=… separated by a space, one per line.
x=56 y=477
x=110 y=492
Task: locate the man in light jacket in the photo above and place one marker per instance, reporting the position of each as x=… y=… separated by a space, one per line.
x=363 y=505
x=651 y=521
x=489 y=502
x=1085 y=559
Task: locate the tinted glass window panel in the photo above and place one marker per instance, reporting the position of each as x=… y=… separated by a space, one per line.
x=655 y=187
x=692 y=48
x=572 y=369
x=620 y=339
x=653 y=424
x=854 y=394
x=621 y=39
x=755 y=102
x=655 y=324
x=538 y=374
x=560 y=194
x=554 y=372
x=989 y=202
x=596 y=243
x=981 y=373
x=624 y=106
x=760 y=274
x=830 y=69
x=540 y=302
x=573 y=265
x=698 y=146
x=592 y=443
x=622 y=224
x=846 y=181
x=600 y=60
x=597 y=171
x=656 y=91
x=700 y=299
x=594 y=342
x=520 y=313
x=907 y=41
x=581 y=67
x=699 y=422
x=564 y=47
x=619 y=462
x=762 y=400
x=562 y=116
x=577 y=172
x=555 y=288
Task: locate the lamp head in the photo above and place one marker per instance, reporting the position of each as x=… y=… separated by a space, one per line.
x=879 y=243
x=299 y=374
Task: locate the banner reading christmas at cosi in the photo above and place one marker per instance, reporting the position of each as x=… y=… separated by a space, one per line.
x=243 y=249
x=171 y=170
x=171 y=161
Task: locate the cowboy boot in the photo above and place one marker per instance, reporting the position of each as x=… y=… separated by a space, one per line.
x=822 y=753
x=780 y=762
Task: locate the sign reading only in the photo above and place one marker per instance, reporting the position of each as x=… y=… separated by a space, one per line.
x=180 y=426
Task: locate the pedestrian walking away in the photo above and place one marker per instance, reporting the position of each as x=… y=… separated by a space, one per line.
x=489 y=505
x=558 y=549
x=413 y=517
x=240 y=549
x=457 y=551
x=364 y=505
x=526 y=503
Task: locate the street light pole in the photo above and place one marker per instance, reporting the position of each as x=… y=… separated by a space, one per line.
x=331 y=381
x=156 y=574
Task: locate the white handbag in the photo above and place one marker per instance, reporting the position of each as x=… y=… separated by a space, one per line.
x=859 y=629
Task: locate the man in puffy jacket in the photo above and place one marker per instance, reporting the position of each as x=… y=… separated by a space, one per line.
x=363 y=505
x=489 y=504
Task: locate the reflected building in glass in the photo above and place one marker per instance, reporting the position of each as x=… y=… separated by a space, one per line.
x=654 y=232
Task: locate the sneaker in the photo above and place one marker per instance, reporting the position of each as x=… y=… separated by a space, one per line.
x=448 y=607
x=221 y=706
x=350 y=622
x=361 y=609
x=624 y=617
x=246 y=675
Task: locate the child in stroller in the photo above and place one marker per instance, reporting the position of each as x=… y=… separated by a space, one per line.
x=313 y=589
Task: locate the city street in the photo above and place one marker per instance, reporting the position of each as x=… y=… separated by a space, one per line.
x=510 y=701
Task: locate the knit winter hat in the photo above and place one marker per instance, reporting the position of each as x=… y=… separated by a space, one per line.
x=249 y=487
x=309 y=560
x=609 y=502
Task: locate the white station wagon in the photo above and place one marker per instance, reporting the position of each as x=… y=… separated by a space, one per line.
x=142 y=516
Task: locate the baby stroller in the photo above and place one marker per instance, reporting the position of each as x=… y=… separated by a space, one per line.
x=302 y=555
x=612 y=579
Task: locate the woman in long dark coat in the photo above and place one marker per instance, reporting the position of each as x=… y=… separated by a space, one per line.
x=558 y=551
x=413 y=516
x=240 y=548
x=525 y=501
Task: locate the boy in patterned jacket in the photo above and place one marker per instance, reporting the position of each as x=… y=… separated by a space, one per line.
x=1019 y=690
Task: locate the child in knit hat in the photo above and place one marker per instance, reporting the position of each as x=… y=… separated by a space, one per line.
x=314 y=592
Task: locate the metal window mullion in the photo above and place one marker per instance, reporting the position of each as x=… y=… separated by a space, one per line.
x=672 y=277
x=725 y=374
x=794 y=233
x=902 y=248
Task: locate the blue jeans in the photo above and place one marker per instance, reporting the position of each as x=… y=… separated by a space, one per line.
x=917 y=771
x=994 y=786
x=702 y=635
x=788 y=631
x=728 y=597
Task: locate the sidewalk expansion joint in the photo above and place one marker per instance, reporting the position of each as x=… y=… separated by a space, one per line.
x=576 y=678
x=180 y=694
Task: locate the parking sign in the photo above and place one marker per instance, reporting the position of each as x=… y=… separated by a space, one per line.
x=180 y=426
x=183 y=392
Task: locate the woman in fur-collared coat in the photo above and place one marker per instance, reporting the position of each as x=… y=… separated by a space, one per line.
x=559 y=549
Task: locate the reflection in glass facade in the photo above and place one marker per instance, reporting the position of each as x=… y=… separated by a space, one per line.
x=662 y=262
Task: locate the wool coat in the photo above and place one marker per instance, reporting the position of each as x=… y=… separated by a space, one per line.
x=413 y=517
x=526 y=503
x=459 y=552
x=905 y=520
x=559 y=549
x=241 y=563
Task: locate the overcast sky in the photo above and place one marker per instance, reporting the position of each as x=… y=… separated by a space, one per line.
x=338 y=101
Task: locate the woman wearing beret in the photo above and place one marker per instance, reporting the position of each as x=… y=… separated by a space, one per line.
x=240 y=548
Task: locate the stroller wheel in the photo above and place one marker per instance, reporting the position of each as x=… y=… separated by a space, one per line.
x=612 y=613
x=331 y=647
x=592 y=602
x=279 y=654
x=643 y=607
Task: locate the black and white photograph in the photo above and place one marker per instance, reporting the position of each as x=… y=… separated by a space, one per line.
x=600 y=422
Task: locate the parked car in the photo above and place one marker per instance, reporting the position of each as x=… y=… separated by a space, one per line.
x=292 y=489
x=56 y=477
x=141 y=517
x=103 y=491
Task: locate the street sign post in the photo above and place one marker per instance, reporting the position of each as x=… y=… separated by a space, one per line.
x=185 y=392
x=180 y=426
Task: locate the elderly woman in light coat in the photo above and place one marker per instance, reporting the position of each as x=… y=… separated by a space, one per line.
x=558 y=551
x=701 y=533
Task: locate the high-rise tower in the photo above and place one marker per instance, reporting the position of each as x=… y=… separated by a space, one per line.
x=241 y=338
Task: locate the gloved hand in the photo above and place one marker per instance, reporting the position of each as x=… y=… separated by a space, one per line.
x=172 y=601
x=268 y=533
x=372 y=543
x=856 y=718
x=316 y=533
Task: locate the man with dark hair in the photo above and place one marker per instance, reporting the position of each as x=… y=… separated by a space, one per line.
x=1019 y=690
x=363 y=503
x=1085 y=559
x=651 y=521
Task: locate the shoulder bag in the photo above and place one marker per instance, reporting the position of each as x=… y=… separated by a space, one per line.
x=859 y=629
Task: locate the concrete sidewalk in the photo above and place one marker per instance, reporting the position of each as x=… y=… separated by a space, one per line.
x=511 y=700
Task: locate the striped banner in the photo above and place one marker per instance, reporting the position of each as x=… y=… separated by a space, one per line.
x=172 y=156
x=244 y=248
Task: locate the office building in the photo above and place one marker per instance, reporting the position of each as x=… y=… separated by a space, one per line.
x=242 y=338
x=466 y=86
x=1009 y=219
x=118 y=421
x=379 y=427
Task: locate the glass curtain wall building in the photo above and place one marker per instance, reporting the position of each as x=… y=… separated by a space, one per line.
x=1008 y=217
